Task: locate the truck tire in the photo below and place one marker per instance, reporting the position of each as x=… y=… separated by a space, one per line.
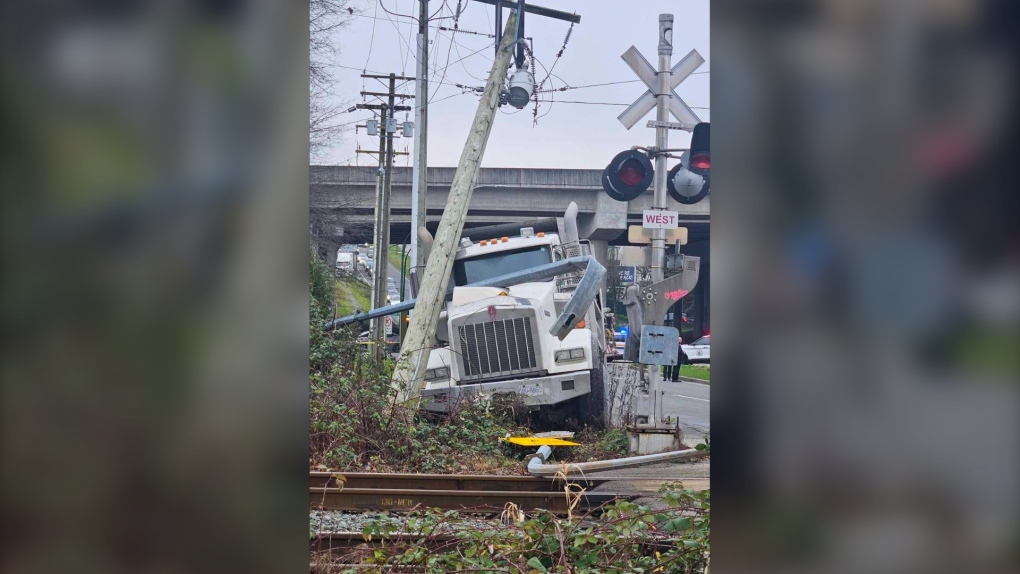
x=592 y=406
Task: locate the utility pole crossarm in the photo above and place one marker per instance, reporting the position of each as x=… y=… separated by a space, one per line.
x=383 y=107
x=386 y=95
x=537 y=10
x=376 y=151
x=386 y=77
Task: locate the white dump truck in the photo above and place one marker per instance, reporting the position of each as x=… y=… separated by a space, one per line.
x=347 y=258
x=497 y=341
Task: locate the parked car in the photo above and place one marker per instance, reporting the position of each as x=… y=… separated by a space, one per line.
x=392 y=341
x=697 y=352
x=620 y=341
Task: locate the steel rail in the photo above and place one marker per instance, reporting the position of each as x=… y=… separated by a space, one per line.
x=472 y=501
x=482 y=482
x=327 y=541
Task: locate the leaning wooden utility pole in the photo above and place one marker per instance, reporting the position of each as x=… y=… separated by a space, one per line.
x=421 y=333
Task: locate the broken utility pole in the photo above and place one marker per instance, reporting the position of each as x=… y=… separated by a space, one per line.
x=421 y=333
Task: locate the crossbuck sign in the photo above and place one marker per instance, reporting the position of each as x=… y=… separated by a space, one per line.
x=680 y=110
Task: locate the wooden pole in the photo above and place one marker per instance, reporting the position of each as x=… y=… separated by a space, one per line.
x=421 y=333
x=419 y=179
x=379 y=263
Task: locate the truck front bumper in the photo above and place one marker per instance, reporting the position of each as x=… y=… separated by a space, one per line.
x=533 y=392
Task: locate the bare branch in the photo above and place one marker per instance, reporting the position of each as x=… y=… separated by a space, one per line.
x=326 y=18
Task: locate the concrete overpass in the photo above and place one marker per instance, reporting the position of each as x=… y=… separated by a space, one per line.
x=343 y=202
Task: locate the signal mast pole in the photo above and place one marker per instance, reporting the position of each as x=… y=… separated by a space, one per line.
x=661 y=140
x=663 y=89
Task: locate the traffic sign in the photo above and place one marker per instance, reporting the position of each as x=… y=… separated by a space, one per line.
x=647 y=74
x=660 y=219
x=627 y=274
x=669 y=125
x=638 y=234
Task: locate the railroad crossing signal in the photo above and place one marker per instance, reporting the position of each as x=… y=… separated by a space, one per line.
x=700 y=161
x=689 y=181
x=628 y=175
x=646 y=73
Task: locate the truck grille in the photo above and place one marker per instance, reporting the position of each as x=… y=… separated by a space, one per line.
x=497 y=348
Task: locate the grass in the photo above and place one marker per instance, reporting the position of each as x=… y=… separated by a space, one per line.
x=348 y=291
x=982 y=352
x=595 y=445
x=396 y=258
x=695 y=371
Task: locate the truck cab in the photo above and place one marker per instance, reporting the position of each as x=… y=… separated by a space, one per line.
x=497 y=341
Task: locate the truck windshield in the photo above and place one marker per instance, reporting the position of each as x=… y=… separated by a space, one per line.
x=466 y=271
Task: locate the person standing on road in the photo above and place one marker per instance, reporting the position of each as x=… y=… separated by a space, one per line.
x=681 y=358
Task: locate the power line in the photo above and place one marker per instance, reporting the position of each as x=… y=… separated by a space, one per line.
x=566 y=40
x=414 y=18
x=611 y=104
x=403 y=55
x=483 y=48
x=358 y=69
x=565 y=88
x=461 y=30
x=411 y=31
x=568 y=87
x=457 y=46
x=449 y=49
x=371 y=42
x=473 y=33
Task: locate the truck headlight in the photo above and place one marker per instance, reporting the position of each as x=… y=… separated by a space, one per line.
x=437 y=374
x=569 y=354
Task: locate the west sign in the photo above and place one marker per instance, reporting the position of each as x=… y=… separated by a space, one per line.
x=660 y=219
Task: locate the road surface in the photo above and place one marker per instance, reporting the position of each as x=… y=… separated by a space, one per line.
x=395 y=275
x=690 y=403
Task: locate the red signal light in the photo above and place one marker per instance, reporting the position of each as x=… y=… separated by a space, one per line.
x=631 y=172
x=701 y=161
x=628 y=175
x=699 y=155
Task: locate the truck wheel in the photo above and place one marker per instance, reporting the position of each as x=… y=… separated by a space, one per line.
x=592 y=406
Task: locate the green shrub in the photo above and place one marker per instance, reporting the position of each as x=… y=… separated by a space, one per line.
x=627 y=537
x=356 y=422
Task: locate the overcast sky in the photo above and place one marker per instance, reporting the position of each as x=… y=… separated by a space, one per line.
x=569 y=135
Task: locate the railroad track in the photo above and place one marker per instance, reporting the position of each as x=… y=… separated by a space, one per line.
x=482 y=494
